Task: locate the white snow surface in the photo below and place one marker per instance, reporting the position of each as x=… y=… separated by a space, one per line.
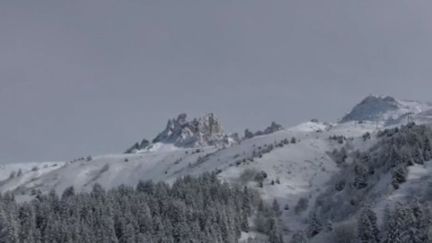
x=300 y=169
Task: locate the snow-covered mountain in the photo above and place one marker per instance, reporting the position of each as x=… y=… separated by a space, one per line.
x=199 y=132
x=388 y=111
x=292 y=165
x=203 y=131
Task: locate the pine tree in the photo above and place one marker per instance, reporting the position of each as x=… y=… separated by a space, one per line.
x=367 y=227
x=275 y=235
x=400 y=227
x=194 y=210
x=276 y=208
x=399 y=176
x=315 y=226
x=8 y=228
x=27 y=223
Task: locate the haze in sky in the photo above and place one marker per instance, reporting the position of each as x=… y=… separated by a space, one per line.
x=91 y=77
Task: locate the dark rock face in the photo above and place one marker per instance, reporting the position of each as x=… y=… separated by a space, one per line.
x=371 y=109
x=138 y=146
x=203 y=131
x=274 y=127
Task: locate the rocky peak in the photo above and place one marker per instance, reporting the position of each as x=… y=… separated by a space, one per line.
x=203 y=131
x=372 y=108
x=138 y=146
x=389 y=111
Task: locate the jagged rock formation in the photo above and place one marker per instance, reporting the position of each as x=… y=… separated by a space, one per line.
x=138 y=146
x=274 y=127
x=203 y=131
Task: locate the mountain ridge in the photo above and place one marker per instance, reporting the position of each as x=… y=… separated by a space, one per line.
x=386 y=110
x=300 y=163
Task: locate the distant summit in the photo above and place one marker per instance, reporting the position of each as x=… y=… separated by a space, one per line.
x=180 y=132
x=371 y=108
x=207 y=130
x=386 y=110
x=203 y=131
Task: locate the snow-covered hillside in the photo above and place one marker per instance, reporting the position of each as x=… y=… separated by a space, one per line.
x=289 y=165
x=275 y=152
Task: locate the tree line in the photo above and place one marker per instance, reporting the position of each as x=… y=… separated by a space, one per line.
x=192 y=209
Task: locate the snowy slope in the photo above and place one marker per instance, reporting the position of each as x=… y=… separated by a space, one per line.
x=295 y=165
x=15 y=175
x=300 y=169
x=295 y=169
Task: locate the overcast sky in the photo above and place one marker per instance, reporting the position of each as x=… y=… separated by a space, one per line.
x=93 y=76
